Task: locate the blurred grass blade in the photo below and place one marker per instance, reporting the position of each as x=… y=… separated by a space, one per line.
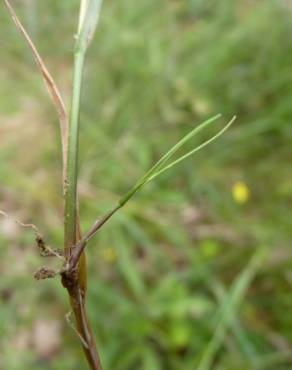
x=89 y=16
x=247 y=348
x=158 y=168
x=226 y=312
x=151 y=360
x=130 y=273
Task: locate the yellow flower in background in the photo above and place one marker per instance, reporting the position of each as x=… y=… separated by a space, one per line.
x=109 y=255
x=240 y=192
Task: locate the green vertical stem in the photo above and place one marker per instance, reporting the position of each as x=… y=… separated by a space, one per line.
x=72 y=157
x=74 y=282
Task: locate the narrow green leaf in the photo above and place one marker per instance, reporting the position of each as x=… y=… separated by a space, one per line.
x=177 y=146
x=157 y=169
x=201 y=146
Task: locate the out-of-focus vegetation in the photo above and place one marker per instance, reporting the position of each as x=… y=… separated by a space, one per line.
x=195 y=273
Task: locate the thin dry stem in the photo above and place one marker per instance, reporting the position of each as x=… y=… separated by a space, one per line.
x=44 y=249
x=29 y=226
x=50 y=84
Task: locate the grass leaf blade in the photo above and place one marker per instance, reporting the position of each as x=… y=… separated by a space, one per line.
x=201 y=146
x=178 y=145
x=151 y=173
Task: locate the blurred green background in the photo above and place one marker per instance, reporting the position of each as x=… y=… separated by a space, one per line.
x=195 y=273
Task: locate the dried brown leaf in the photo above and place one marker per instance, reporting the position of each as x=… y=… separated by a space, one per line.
x=50 y=84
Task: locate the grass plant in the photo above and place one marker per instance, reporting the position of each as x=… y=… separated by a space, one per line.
x=73 y=272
